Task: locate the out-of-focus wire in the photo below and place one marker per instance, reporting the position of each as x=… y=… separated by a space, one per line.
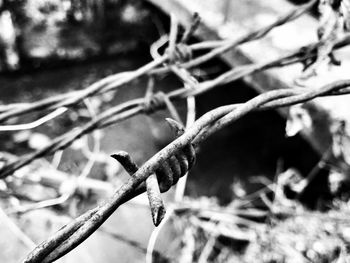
x=34 y=124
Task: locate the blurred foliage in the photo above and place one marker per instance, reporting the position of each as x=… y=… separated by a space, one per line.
x=35 y=31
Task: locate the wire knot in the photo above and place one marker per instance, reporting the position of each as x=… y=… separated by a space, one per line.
x=182 y=53
x=166 y=175
x=154 y=102
x=175 y=167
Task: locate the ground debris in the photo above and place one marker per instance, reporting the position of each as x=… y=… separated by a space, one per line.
x=309 y=237
x=229 y=234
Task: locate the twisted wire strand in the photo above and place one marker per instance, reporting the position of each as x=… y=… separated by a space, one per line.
x=152 y=102
x=68 y=237
x=73 y=234
x=176 y=167
x=72 y=98
x=167 y=174
x=117 y=80
x=131 y=108
x=76 y=232
x=156 y=203
x=254 y=35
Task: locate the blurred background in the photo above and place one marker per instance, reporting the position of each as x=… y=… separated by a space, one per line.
x=51 y=47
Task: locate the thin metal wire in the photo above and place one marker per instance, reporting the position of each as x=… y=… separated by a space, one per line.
x=119 y=79
x=81 y=228
x=137 y=106
x=34 y=124
x=77 y=231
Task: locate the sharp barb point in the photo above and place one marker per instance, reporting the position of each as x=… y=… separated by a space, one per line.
x=158 y=214
x=174 y=125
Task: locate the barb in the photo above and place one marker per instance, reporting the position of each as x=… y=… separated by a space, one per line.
x=190 y=83
x=76 y=232
x=117 y=80
x=131 y=108
x=257 y=34
x=152 y=186
x=191 y=29
x=170 y=163
x=165 y=176
x=173 y=168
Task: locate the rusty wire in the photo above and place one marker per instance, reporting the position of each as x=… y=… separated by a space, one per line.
x=166 y=164
x=115 y=81
x=73 y=234
x=168 y=174
x=81 y=228
x=131 y=108
x=140 y=105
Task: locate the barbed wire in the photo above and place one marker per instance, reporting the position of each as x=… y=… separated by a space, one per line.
x=77 y=231
x=73 y=234
x=176 y=158
x=141 y=105
x=115 y=81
